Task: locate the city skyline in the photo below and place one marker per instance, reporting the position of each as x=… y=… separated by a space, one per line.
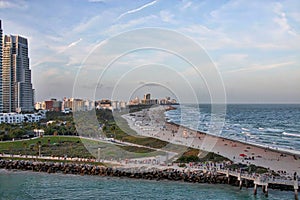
x=255 y=47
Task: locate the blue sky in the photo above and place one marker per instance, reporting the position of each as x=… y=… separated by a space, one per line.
x=254 y=44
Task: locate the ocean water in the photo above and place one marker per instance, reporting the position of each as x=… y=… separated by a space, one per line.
x=271 y=125
x=33 y=185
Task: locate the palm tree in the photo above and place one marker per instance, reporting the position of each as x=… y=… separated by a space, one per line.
x=25 y=147
x=113 y=130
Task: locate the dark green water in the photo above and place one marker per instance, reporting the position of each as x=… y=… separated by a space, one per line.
x=31 y=185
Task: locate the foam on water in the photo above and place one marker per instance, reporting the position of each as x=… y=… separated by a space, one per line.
x=273 y=130
x=291 y=134
x=272 y=125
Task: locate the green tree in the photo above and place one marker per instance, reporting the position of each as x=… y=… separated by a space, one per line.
x=17 y=133
x=113 y=130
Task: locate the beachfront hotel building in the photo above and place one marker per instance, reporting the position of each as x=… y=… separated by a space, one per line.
x=135 y=101
x=73 y=104
x=118 y=105
x=17 y=92
x=167 y=101
x=148 y=101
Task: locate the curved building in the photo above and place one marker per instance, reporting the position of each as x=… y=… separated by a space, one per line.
x=17 y=92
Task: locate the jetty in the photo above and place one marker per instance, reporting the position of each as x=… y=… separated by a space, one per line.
x=262 y=180
x=213 y=173
x=252 y=179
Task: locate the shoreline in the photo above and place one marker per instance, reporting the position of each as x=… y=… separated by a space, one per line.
x=237 y=151
x=275 y=148
x=280 y=150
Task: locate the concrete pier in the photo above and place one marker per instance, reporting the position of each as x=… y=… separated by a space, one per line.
x=255 y=189
x=241 y=184
x=241 y=180
x=228 y=176
x=246 y=183
x=266 y=190
x=296 y=187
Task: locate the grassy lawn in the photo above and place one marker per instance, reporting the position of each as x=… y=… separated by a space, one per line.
x=51 y=145
x=74 y=147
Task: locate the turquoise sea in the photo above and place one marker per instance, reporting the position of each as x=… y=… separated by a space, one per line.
x=33 y=185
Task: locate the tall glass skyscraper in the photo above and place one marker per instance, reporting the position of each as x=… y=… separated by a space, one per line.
x=17 y=92
x=1 y=102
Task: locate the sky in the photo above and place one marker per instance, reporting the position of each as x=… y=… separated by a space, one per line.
x=249 y=48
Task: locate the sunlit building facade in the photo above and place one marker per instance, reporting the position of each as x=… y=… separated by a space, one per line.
x=1 y=101
x=17 y=91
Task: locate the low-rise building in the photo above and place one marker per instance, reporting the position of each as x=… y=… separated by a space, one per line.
x=39 y=132
x=15 y=118
x=122 y=104
x=104 y=104
x=135 y=101
x=74 y=105
x=49 y=105
x=38 y=106
x=168 y=101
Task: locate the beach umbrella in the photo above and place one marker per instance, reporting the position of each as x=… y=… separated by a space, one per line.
x=243 y=155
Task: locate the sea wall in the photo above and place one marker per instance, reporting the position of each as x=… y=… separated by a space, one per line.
x=137 y=172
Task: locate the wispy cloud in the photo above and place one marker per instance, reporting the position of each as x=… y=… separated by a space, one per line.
x=166 y=16
x=263 y=67
x=12 y=4
x=281 y=19
x=137 y=9
x=6 y=4
x=62 y=53
x=117 y=28
x=74 y=43
x=210 y=38
x=187 y=5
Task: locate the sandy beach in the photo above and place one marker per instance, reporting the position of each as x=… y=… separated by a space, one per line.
x=152 y=123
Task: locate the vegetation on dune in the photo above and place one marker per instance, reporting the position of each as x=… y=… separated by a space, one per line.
x=210 y=156
x=191 y=155
x=249 y=168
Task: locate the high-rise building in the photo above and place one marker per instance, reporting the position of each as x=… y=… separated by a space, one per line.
x=1 y=103
x=148 y=101
x=17 y=92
